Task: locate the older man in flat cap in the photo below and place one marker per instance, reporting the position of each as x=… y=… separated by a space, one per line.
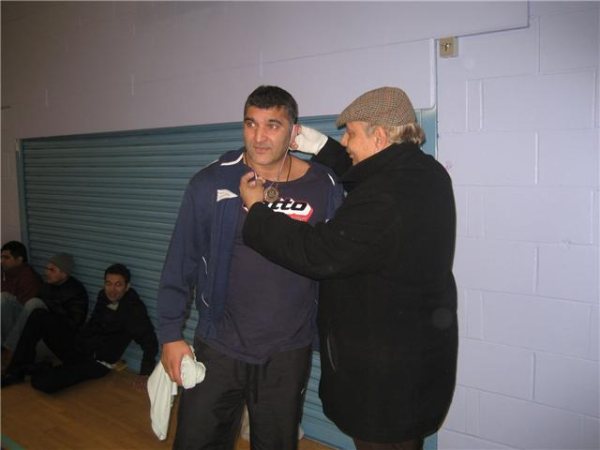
x=387 y=310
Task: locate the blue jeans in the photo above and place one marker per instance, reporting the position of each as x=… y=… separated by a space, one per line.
x=14 y=317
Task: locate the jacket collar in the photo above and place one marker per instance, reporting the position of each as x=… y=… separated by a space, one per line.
x=232 y=158
x=129 y=296
x=394 y=154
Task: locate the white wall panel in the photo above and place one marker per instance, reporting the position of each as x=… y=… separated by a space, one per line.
x=452 y=99
x=475 y=212
x=74 y=48
x=341 y=72
x=590 y=430
x=473 y=328
x=569 y=41
x=478 y=264
x=456 y=419
x=550 y=7
x=490 y=158
x=545 y=428
x=484 y=366
x=538 y=102
x=537 y=323
x=511 y=53
x=567 y=383
x=594 y=352
x=519 y=214
x=530 y=98
x=458 y=441
x=460 y=199
x=581 y=166
x=569 y=271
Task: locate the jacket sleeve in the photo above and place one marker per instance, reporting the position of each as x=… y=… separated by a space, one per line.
x=73 y=306
x=143 y=334
x=180 y=270
x=77 y=307
x=336 y=198
x=333 y=155
x=354 y=241
x=93 y=325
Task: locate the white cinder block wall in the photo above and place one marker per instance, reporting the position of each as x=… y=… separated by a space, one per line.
x=518 y=123
x=84 y=67
x=518 y=132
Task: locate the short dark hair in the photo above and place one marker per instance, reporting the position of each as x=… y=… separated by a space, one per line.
x=265 y=97
x=16 y=249
x=118 y=269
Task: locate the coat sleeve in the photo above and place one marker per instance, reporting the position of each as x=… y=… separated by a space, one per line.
x=334 y=156
x=143 y=334
x=179 y=274
x=93 y=326
x=73 y=307
x=354 y=241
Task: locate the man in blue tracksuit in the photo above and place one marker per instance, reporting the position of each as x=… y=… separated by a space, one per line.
x=256 y=319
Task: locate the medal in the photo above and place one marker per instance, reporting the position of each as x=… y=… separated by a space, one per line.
x=271 y=194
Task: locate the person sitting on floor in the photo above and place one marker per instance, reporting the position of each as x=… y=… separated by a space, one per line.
x=62 y=298
x=119 y=317
x=20 y=287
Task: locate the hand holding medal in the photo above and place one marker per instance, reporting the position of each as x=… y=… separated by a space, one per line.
x=251 y=189
x=254 y=184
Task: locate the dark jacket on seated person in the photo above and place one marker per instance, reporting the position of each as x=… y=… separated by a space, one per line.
x=89 y=353
x=22 y=281
x=68 y=300
x=110 y=330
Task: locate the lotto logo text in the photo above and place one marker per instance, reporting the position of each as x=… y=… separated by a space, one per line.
x=297 y=210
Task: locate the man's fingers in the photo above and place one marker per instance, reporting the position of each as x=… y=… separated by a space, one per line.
x=248 y=176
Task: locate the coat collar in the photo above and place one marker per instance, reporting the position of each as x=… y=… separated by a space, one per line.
x=392 y=155
x=129 y=296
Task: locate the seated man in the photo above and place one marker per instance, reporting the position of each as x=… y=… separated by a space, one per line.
x=20 y=285
x=62 y=297
x=118 y=318
x=60 y=311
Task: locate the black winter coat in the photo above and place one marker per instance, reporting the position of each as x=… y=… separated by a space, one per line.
x=387 y=308
x=68 y=300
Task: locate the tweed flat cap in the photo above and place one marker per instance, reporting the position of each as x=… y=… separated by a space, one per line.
x=387 y=106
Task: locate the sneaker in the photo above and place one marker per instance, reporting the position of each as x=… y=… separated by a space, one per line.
x=6 y=357
x=13 y=377
x=38 y=367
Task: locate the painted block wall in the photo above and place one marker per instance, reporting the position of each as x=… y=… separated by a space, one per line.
x=518 y=123
x=518 y=132
x=83 y=67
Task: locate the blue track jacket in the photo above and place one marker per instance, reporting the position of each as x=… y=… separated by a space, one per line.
x=198 y=260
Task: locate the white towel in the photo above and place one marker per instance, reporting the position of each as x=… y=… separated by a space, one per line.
x=162 y=391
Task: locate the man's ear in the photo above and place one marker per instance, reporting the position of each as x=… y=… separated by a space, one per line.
x=381 y=138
